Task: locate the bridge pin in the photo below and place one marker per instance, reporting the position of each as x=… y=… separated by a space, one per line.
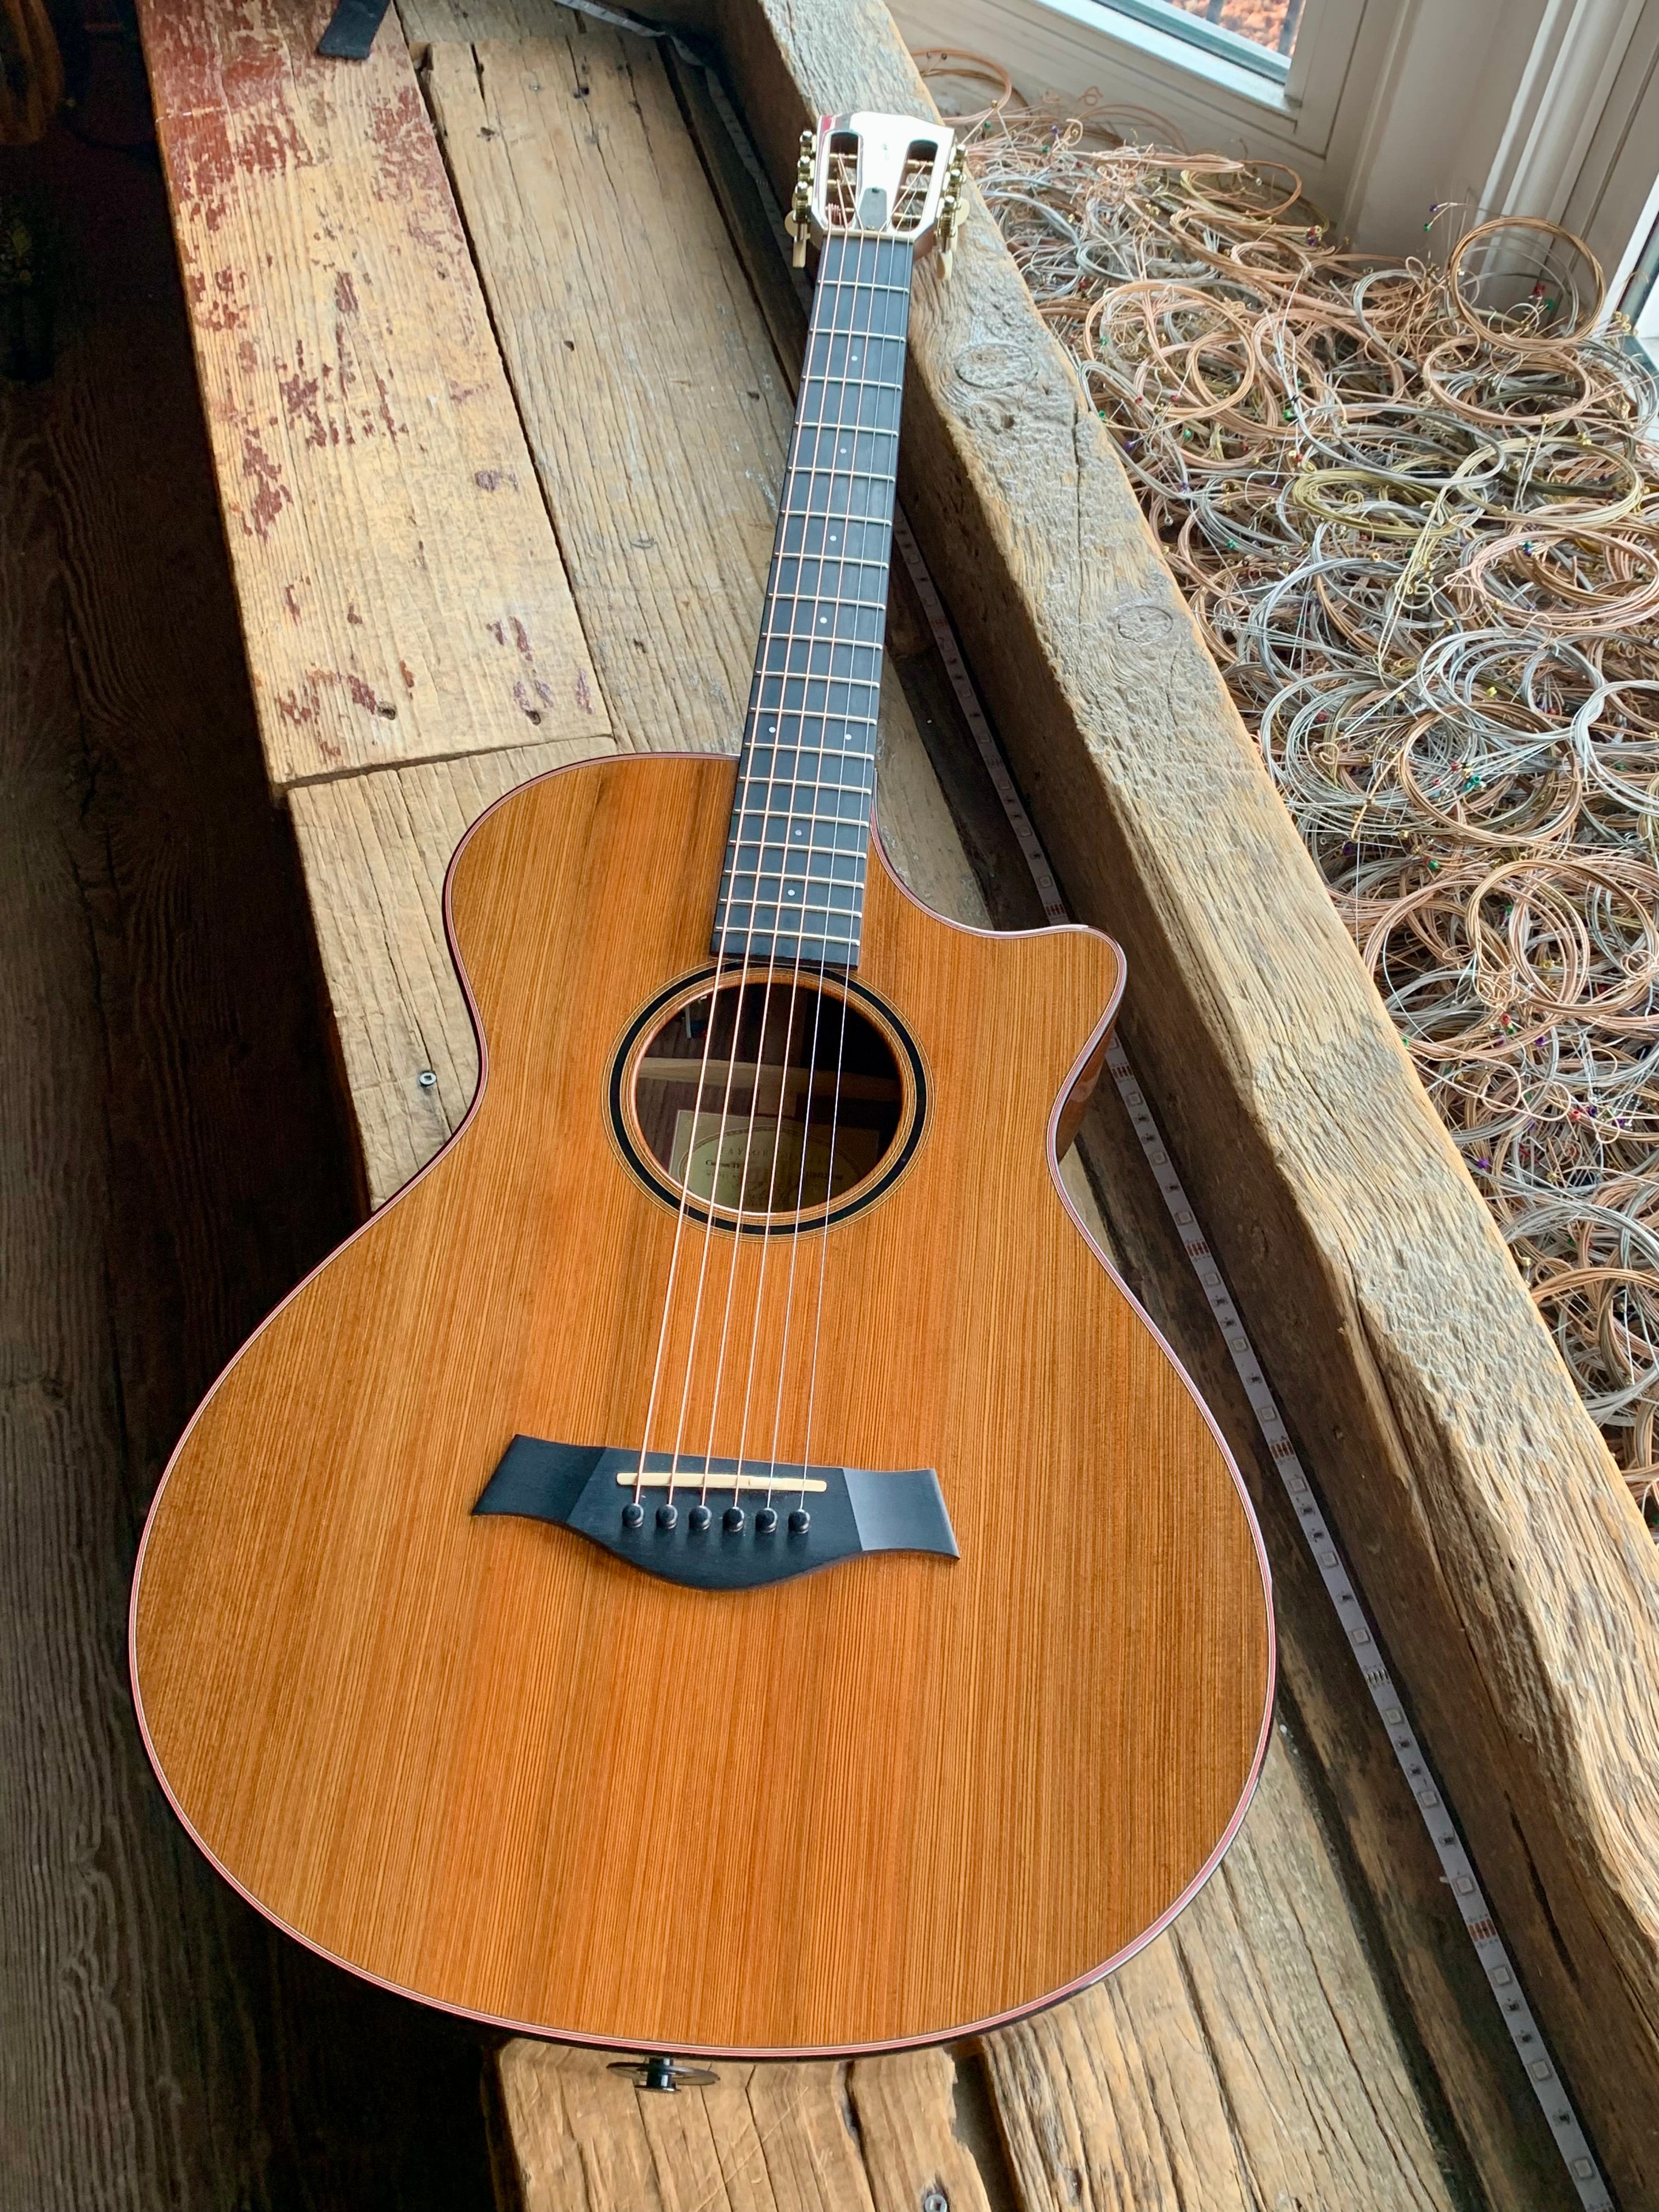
x=799 y=1521
x=765 y=1521
x=732 y=1519
x=633 y=1513
x=700 y=1517
x=667 y=1515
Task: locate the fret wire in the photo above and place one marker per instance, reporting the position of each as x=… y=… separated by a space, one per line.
x=774 y=827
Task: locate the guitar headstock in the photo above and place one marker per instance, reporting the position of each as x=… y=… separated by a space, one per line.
x=877 y=176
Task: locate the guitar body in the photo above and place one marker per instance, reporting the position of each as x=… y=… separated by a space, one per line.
x=484 y=1760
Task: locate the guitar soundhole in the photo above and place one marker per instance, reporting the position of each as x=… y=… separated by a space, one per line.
x=776 y=1099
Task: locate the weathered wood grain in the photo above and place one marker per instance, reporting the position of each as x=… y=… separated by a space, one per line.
x=169 y=1161
x=661 y=429
x=877 y=2136
x=375 y=851
x=763 y=2139
x=913 y=2144
x=646 y=378
x=649 y=389
x=1515 y=1583
x=400 y=586
x=1479 y=2103
x=1116 y=2100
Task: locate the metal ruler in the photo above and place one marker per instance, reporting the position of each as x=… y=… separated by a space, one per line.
x=1459 y=1871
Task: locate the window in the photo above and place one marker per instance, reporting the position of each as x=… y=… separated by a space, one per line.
x=1256 y=35
x=1267 y=75
x=1641 y=301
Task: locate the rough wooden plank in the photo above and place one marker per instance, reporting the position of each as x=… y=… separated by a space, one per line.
x=874 y=2138
x=914 y=2146
x=1197 y=2074
x=1513 y=1579
x=763 y=2139
x=401 y=590
x=375 y=851
x=1483 y=2103
x=556 y=204
x=649 y=389
x=170 y=1163
x=653 y=401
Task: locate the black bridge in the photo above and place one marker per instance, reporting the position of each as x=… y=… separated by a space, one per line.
x=760 y=1522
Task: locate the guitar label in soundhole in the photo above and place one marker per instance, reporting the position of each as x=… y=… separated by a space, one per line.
x=780 y=1099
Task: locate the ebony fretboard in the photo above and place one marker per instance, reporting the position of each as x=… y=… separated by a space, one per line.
x=794 y=882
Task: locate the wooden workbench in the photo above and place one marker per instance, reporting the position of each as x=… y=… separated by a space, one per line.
x=494 y=368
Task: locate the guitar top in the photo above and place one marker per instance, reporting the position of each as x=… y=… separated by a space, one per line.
x=719 y=1565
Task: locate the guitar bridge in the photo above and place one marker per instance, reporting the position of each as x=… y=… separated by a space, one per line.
x=721 y=1525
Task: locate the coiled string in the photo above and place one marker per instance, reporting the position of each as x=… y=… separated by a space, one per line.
x=1415 y=509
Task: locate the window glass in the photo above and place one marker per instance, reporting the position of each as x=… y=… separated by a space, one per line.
x=1270 y=23
x=1269 y=26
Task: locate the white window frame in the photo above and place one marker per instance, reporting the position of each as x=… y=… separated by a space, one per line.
x=1609 y=194
x=1071 y=45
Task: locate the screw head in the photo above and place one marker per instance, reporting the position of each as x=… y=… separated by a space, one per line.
x=935 y=2200
x=426 y=1079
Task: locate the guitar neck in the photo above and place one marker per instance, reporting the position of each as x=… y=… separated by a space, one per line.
x=792 y=886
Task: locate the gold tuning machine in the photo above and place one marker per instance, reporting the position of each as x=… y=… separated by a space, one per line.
x=950 y=210
x=797 y=221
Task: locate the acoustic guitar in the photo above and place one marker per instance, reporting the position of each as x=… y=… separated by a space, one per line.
x=719 y=1565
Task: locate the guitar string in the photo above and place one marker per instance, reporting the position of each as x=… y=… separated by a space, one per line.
x=680 y=1225
x=737 y=1226
x=824 y=1263
x=743 y=808
x=742 y=988
x=853 y=251
x=833 y=289
x=855 y=248
x=908 y=263
x=766 y=814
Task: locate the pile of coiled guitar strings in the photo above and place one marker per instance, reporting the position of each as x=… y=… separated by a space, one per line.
x=1416 y=512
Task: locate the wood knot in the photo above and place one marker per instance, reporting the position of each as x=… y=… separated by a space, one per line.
x=1141 y=621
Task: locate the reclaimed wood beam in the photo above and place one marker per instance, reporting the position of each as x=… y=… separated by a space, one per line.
x=1513 y=1577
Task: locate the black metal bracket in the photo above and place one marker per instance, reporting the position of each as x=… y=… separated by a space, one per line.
x=664 y=2074
x=351 y=30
